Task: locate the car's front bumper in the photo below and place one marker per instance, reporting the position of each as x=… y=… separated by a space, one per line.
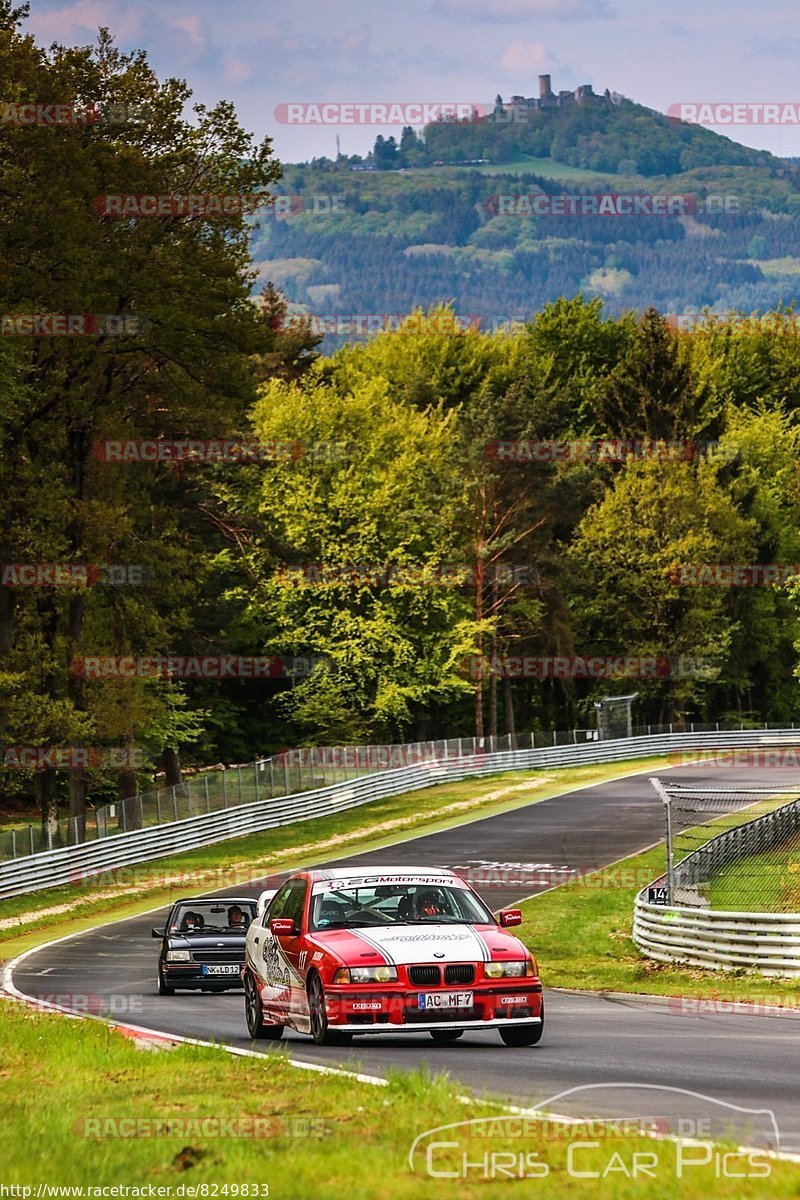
x=190 y=975
x=392 y=1028
x=395 y=1009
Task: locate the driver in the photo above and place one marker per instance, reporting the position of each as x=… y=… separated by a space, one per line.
x=236 y=917
x=429 y=903
x=192 y=923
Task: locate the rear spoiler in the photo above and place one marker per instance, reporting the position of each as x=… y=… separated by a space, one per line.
x=264 y=901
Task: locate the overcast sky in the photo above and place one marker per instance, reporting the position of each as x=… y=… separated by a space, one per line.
x=263 y=54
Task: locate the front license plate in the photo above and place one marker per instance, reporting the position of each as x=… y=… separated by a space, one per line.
x=227 y=969
x=430 y=1000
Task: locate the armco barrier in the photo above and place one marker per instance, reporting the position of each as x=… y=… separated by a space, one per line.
x=74 y=863
x=702 y=937
x=695 y=935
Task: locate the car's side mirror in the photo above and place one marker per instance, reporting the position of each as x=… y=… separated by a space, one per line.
x=160 y=933
x=283 y=927
x=510 y=916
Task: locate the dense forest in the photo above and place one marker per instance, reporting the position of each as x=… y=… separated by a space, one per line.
x=415 y=224
x=351 y=519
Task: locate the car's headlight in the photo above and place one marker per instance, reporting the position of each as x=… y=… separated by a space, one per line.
x=366 y=975
x=508 y=970
x=178 y=956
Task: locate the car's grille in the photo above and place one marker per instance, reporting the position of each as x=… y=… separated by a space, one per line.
x=233 y=954
x=425 y=976
x=459 y=973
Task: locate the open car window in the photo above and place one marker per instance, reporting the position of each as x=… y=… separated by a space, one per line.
x=360 y=907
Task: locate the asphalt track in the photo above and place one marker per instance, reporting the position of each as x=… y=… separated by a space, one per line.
x=612 y=1047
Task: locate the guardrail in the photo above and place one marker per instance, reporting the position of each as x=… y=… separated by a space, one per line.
x=702 y=937
x=694 y=934
x=72 y=864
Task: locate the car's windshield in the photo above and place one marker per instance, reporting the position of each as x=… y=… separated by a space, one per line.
x=196 y=918
x=395 y=904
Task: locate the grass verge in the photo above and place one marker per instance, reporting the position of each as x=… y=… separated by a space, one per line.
x=581 y=934
x=83 y=1107
x=27 y=920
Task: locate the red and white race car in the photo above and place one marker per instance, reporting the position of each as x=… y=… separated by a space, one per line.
x=393 y=950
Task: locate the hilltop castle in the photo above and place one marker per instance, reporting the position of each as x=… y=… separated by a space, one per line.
x=547 y=98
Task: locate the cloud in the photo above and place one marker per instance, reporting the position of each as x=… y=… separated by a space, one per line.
x=71 y=23
x=674 y=27
x=237 y=71
x=516 y=10
x=191 y=25
x=523 y=58
x=785 y=47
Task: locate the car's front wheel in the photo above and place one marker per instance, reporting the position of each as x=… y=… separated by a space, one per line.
x=254 y=1013
x=446 y=1035
x=321 y=1031
x=163 y=987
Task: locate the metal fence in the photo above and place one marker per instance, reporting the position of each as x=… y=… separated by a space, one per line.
x=735 y=900
x=268 y=808
x=285 y=774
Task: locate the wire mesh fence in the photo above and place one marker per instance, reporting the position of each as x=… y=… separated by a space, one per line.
x=291 y=772
x=734 y=849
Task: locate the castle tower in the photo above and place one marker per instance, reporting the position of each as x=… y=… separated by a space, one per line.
x=545 y=91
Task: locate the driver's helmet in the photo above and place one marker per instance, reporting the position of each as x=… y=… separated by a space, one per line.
x=430 y=903
x=192 y=923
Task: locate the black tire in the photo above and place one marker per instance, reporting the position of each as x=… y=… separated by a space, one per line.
x=321 y=1031
x=523 y=1035
x=446 y=1035
x=163 y=988
x=254 y=1014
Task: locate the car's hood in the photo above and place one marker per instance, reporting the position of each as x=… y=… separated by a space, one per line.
x=402 y=944
x=206 y=941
